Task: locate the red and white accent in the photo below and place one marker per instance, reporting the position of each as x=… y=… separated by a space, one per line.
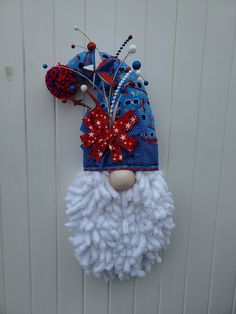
x=102 y=137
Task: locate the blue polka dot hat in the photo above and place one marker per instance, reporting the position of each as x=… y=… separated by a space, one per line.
x=118 y=131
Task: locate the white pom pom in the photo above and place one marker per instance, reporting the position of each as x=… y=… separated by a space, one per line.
x=138 y=72
x=139 y=79
x=83 y=88
x=132 y=48
x=122 y=180
x=76 y=28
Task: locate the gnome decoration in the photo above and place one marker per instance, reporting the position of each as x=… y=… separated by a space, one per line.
x=119 y=207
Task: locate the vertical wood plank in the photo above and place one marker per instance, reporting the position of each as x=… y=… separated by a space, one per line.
x=147 y=292
x=130 y=19
x=216 y=75
x=95 y=295
x=14 y=201
x=224 y=257
x=234 y=302
x=2 y=274
x=122 y=297
x=188 y=53
x=158 y=46
x=100 y=23
x=40 y=120
x=69 y=156
x=158 y=67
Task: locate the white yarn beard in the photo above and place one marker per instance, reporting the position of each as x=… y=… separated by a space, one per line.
x=119 y=234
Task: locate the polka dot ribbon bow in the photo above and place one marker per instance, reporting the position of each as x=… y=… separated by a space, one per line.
x=100 y=137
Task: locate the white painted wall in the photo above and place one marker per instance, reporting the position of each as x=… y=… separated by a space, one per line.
x=187 y=49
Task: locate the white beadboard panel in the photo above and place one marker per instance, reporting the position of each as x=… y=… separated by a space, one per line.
x=121 y=297
x=147 y=302
x=68 y=155
x=130 y=14
x=41 y=155
x=103 y=34
x=224 y=255
x=158 y=66
x=95 y=295
x=213 y=108
x=188 y=54
x=13 y=166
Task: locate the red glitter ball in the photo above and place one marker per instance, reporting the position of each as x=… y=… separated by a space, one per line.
x=59 y=80
x=127 y=69
x=91 y=46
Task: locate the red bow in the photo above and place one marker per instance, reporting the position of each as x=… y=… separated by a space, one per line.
x=100 y=136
